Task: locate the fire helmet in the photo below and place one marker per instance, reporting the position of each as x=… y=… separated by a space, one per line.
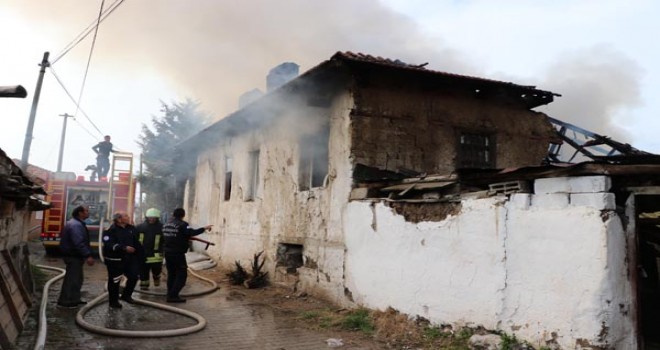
x=153 y=213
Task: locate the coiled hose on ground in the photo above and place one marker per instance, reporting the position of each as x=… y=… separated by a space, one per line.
x=80 y=317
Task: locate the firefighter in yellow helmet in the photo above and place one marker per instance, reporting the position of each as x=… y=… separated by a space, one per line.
x=150 y=234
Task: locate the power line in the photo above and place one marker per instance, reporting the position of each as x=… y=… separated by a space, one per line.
x=87 y=131
x=89 y=59
x=92 y=26
x=74 y=100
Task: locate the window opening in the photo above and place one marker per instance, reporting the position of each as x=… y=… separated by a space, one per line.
x=290 y=256
x=314 y=159
x=253 y=185
x=228 y=171
x=476 y=151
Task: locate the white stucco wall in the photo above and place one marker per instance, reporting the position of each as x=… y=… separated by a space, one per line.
x=549 y=267
x=538 y=266
x=281 y=212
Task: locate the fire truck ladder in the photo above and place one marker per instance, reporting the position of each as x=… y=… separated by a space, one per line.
x=121 y=173
x=57 y=198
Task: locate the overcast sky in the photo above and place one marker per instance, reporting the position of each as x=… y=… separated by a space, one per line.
x=602 y=56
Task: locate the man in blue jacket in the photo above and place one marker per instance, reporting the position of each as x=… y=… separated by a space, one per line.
x=123 y=254
x=176 y=234
x=76 y=250
x=102 y=150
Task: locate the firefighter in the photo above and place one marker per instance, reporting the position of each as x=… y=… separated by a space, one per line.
x=176 y=234
x=123 y=255
x=150 y=235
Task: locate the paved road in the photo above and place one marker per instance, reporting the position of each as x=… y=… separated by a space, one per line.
x=232 y=323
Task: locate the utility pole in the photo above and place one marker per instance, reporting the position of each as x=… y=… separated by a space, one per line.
x=59 y=159
x=33 y=112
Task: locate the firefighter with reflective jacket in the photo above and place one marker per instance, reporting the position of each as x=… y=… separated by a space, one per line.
x=176 y=234
x=150 y=235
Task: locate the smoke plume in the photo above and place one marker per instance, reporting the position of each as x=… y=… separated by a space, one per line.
x=599 y=86
x=215 y=50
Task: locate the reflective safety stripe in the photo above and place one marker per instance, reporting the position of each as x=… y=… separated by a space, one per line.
x=141 y=237
x=154 y=259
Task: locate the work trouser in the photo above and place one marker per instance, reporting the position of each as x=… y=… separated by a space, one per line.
x=132 y=271
x=73 y=280
x=154 y=269
x=115 y=270
x=102 y=166
x=177 y=273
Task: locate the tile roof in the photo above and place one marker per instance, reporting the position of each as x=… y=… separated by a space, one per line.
x=360 y=57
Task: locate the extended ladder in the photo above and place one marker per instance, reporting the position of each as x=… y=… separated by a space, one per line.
x=121 y=184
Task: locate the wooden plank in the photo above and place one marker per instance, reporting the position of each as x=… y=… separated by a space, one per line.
x=19 y=281
x=4 y=340
x=6 y=293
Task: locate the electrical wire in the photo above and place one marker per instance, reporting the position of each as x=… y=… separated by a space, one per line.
x=52 y=70
x=87 y=31
x=89 y=59
x=85 y=129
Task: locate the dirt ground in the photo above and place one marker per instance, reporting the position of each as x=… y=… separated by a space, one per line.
x=388 y=328
x=357 y=328
x=296 y=307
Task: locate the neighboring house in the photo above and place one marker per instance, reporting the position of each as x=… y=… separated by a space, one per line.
x=19 y=198
x=374 y=182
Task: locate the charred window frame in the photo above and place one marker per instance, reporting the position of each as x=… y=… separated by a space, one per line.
x=228 y=172
x=290 y=256
x=314 y=159
x=476 y=150
x=253 y=171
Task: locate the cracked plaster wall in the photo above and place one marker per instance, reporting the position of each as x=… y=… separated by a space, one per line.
x=280 y=212
x=547 y=272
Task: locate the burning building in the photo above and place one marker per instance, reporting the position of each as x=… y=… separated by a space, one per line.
x=374 y=182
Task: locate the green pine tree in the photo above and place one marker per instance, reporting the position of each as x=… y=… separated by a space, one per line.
x=165 y=170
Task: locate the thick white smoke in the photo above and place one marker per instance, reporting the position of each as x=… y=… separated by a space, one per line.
x=599 y=87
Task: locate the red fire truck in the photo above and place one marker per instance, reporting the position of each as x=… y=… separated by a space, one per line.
x=104 y=197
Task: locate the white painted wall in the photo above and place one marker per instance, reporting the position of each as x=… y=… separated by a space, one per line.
x=547 y=267
x=281 y=213
x=538 y=266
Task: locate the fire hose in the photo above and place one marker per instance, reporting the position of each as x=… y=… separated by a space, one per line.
x=80 y=317
x=41 y=334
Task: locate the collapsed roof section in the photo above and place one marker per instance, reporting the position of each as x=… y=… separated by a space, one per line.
x=578 y=141
x=630 y=167
x=478 y=183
